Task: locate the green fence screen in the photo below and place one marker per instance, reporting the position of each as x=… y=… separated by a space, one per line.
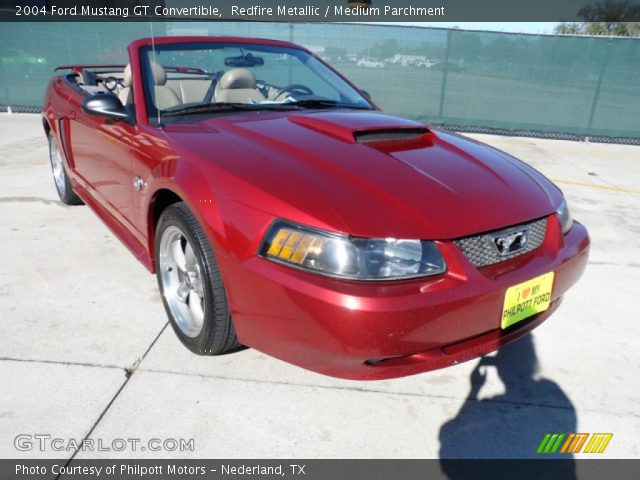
x=588 y=86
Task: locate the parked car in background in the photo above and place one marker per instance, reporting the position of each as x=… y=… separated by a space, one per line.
x=404 y=60
x=363 y=62
x=281 y=209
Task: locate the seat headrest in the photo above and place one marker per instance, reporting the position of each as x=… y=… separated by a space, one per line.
x=158 y=72
x=126 y=79
x=237 y=78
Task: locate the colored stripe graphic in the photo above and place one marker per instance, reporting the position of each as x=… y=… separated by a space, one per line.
x=543 y=443
x=567 y=443
x=578 y=442
x=573 y=443
x=550 y=443
x=598 y=442
x=608 y=437
x=556 y=445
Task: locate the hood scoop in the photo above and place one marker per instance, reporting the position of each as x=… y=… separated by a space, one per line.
x=389 y=135
x=372 y=129
x=395 y=140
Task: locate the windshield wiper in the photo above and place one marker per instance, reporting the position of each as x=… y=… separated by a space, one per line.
x=230 y=107
x=226 y=107
x=326 y=103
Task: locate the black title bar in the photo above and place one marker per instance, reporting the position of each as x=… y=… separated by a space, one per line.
x=318 y=10
x=318 y=469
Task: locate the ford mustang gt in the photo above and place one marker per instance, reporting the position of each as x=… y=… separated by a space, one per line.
x=282 y=210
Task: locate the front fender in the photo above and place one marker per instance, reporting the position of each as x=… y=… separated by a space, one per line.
x=197 y=194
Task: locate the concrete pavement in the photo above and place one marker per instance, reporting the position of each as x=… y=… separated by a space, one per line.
x=79 y=314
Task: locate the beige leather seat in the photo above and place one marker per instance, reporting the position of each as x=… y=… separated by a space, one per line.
x=237 y=85
x=165 y=97
x=125 y=93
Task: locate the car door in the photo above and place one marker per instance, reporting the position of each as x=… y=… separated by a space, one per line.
x=102 y=159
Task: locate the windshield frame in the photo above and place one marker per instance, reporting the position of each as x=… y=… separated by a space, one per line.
x=146 y=51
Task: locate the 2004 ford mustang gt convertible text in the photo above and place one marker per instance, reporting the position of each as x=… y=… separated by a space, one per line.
x=280 y=209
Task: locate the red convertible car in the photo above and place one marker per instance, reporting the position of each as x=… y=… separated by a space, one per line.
x=282 y=210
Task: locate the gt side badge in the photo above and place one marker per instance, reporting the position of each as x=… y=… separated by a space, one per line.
x=138 y=183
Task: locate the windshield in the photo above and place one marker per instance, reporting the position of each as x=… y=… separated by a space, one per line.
x=207 y=78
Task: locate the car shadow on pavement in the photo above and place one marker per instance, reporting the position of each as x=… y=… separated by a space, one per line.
x=512 y=424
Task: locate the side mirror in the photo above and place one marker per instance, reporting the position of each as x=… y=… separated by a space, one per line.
x=105 y=105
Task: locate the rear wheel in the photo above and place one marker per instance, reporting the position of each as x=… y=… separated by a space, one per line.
x=190 y=283
x=60 y=177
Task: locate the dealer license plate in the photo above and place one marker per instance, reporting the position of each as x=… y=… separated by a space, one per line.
x=526 y=299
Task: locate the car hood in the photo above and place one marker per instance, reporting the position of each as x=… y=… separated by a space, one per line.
x=369 y=174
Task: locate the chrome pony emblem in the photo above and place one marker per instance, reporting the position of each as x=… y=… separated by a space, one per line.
x=511 y=242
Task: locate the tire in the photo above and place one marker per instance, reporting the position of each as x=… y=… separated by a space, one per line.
x=190 y=284
x=60 y=175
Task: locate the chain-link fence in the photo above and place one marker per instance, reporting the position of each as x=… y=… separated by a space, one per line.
x=562 y=86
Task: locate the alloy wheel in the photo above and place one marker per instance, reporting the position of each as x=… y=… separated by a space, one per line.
x=181 y=278
x=57 y=166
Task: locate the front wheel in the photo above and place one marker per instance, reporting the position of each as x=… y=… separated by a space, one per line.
x=190 y=283
x=60 y=176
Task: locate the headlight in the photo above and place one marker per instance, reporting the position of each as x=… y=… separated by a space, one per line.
x=564 y=215
x=348 y=257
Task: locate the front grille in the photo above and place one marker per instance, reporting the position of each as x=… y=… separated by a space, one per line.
x=481 y=249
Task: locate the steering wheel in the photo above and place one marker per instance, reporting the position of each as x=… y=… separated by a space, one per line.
x=111 y=83
x=291 y=88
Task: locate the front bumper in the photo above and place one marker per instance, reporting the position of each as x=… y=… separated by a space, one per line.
x=378 y=330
